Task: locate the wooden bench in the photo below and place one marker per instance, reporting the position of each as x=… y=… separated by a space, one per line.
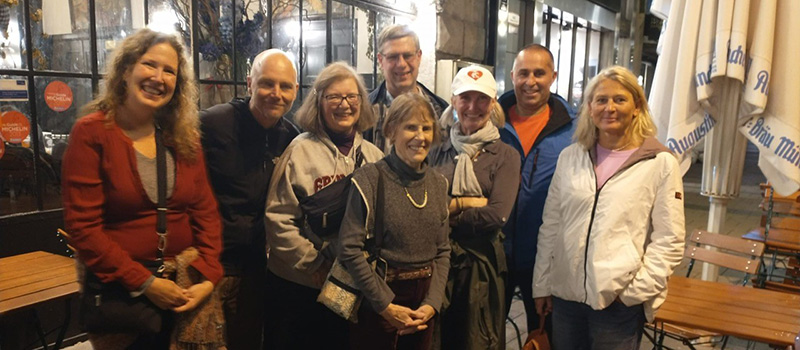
x=33 y=278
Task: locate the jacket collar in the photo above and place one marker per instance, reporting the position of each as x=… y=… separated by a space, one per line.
x=650 y=148
x=560 y=114
x=379 y=95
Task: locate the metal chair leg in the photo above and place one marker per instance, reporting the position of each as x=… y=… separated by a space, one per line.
x=39 y=331
x=516 y=328
x=67 y=316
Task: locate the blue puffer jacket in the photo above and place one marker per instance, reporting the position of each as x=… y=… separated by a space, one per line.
x=522 y=229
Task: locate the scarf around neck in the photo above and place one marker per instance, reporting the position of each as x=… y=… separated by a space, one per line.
x=465 y=183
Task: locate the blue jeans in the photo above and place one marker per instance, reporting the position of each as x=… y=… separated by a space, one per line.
x=576 y=326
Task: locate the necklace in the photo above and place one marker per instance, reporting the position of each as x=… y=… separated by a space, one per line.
x=414 y=203
x=623 y=146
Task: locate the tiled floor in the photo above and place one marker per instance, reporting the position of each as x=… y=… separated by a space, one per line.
x=742 y=214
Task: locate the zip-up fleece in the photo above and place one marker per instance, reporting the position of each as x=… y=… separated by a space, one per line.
x=621 y=240
x=309 y=164
x=537 y=169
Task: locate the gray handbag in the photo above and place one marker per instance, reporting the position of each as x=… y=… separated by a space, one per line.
x=339 y=292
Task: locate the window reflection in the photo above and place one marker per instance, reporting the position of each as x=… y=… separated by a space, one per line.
x=17 y=182
x=214 y=94
x=576 y=87
x=313 y=34
x=11 y=37
x=252 y=34
x=60 y=42
x=286 y=29
x=115 y=26
x=167 y=16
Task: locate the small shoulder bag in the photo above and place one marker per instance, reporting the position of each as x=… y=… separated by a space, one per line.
x=339 y=292
x=323 y=211
x=109 y=307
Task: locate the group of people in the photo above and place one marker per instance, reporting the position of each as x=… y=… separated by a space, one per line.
x=463 y=202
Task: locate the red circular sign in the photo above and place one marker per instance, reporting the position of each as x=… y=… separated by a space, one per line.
x=15 y=127
x=58 y=96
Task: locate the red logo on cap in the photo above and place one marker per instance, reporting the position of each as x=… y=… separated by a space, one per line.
x=475 y=74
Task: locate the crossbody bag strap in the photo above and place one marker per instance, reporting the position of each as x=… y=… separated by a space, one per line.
x=359 y=158
x=380 y=263
x=161 y=211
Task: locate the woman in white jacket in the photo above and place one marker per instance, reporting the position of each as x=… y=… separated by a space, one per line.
x=613 y=228
x=334 y=114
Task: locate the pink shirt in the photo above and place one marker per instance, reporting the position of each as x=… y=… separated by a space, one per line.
x=608 y=162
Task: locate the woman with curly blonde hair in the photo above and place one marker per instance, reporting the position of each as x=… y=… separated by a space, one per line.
x=178 y=117
x=110 y=191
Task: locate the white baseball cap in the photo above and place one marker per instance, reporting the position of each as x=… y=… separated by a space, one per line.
x=474 y=78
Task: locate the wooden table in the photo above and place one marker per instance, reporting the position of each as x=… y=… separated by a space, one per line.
x=29 y=279
x=748 y=313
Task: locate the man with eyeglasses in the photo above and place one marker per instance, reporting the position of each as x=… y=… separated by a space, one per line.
x=399 y=57
x=242 y=140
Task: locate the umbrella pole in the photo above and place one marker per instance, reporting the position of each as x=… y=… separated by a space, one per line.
x=717 y=209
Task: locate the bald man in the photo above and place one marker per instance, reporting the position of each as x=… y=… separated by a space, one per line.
x=538 y=125
x=242 y=139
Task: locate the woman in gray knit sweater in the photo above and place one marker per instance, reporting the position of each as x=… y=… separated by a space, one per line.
x=401 y=195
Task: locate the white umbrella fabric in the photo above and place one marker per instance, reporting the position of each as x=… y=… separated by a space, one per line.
x=713 y=77
x=775 y=126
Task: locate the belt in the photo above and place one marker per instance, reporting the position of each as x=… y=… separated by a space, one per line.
x=393 y=274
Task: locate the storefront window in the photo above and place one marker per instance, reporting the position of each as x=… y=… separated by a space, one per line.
x=221 y=41
x=568 y=38
x=17 y=181
x=12 y=32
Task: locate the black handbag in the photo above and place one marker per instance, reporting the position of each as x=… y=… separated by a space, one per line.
x=323 y=211
x=109 y=307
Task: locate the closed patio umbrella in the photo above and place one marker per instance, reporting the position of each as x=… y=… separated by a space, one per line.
x=716 y=75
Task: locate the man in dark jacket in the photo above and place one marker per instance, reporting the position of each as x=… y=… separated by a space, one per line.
x=539 y=125
x=399 y=56
x=242 y=139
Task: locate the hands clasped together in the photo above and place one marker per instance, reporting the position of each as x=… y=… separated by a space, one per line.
x=408 y=321
x=168 y=295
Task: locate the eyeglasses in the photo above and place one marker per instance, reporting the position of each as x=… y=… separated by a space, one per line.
x=336 y=100
x=407 y=56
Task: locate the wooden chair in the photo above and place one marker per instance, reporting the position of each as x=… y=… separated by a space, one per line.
x=780 y=231
x=731 y=252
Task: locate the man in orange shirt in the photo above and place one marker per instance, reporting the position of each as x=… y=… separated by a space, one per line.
x=540 y=125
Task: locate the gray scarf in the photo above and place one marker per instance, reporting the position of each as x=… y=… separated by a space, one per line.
x=465 y=183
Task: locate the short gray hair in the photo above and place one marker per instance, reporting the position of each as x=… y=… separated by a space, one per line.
x=394 y=32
